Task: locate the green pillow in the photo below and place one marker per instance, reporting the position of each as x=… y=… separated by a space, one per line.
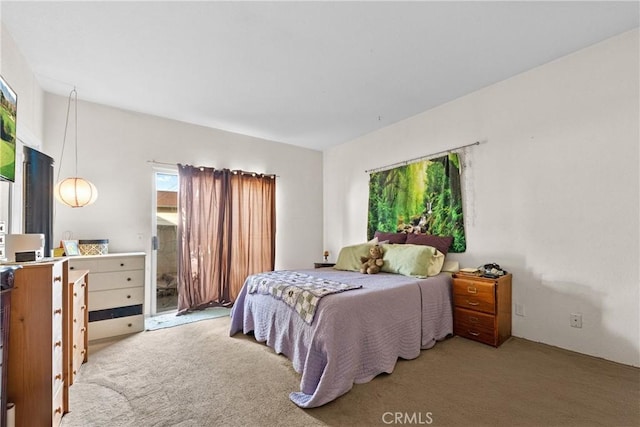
x=349 y=257
x=412 y=260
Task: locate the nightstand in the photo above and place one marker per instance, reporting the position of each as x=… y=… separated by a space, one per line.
x=323 y=264
x=482 y=308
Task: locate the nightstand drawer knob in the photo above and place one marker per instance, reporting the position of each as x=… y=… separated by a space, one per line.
x=472 y=289
x=473 y=302
x=473 y=319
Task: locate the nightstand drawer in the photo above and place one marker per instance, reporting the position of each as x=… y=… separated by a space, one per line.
x=475 y=325
x=474 y=295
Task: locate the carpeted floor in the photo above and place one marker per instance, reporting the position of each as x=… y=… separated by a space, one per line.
x=168 y=320
x=196 y=375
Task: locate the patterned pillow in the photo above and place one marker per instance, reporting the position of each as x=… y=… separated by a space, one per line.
x=441 y=243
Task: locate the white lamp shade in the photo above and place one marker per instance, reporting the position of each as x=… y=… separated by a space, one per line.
x=76 y=192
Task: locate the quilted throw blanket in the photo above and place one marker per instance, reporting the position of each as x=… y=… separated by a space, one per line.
x=300 y=291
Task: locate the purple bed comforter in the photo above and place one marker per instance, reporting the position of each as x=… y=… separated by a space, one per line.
x=356 y=335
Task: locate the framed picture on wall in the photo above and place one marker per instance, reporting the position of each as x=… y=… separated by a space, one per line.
x=8 y=113
x=71 y=247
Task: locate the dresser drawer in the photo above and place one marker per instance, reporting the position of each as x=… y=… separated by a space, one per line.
x=102 y=263
x=475 y=325
x=56 y=287
x=79 y=353
x=121 y=264
x=117 y=279
x=90 y=264
x=57 y=407
x=79 y=308
x=113 y=327
x=101 y=300
x=474 y=295
x=57 y=364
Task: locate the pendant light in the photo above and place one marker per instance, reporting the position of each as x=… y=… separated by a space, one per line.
x=75 y=192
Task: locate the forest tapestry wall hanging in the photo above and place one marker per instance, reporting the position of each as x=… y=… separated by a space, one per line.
x=421 y=197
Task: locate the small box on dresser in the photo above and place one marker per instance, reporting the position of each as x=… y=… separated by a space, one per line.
x=116 y=294
x=482 y=308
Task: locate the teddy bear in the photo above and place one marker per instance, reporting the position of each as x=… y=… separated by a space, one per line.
x=372 y=263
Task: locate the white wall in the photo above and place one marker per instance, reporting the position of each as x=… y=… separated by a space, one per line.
x=115 y=145
x=17 y=73
x=552 y=192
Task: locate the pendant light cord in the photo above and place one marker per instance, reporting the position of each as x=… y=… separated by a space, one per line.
x=66 y=125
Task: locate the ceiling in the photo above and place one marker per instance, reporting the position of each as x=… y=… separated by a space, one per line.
x=313 y=74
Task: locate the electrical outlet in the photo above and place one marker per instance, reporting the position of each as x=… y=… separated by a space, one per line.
x=575 y=320
x=519 y=310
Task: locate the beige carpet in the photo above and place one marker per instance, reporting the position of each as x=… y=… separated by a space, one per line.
x=196 y=375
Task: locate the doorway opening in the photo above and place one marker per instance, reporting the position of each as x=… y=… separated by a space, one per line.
x=166 y=241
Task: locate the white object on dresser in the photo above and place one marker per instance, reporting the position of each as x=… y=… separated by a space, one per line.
x=116 y=292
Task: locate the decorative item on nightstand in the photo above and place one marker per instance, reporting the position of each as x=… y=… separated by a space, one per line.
x=326 y=256
x=482 y=307
x=323 y=264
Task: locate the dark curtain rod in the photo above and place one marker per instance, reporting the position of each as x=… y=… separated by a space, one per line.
x=417 y=159
x=235 y=171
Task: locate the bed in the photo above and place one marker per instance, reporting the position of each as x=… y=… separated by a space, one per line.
x=354 y=335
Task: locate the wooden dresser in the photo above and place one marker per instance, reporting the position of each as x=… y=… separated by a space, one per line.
x=38 y=354
x=76 y=308
x=116 y=294
x=482 y=309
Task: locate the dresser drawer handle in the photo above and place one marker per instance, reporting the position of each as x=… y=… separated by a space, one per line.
x=57 y=311
x=75 y=320
x=58 y=377
x=83 y=352
x=128 y=296
x=75 y=372
x=83 y=329
x=129 y=325
x=473 y=302
x=128 y=279
x=72 y=268
x=75 y=294
x=83 y=307
x=472 y=289
x=58 y=344
x=57 y=279
x=122 y=264
x=83 y=285
x=475 y=334
x=473 y=319
x=58 y=410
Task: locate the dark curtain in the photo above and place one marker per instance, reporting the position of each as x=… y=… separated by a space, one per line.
x=226 y=231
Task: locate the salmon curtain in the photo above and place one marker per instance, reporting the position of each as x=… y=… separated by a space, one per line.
x=226 y=232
